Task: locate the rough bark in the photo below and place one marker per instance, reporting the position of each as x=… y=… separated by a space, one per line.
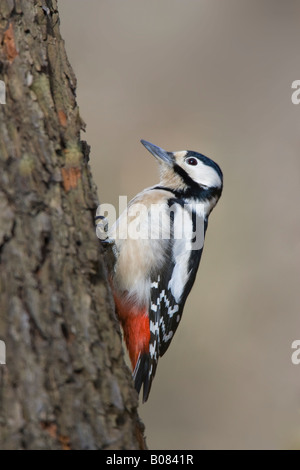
x=65 y=384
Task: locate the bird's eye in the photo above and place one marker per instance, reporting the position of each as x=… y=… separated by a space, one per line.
x=192 y=161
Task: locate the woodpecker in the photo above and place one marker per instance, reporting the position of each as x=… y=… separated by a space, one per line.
x=158 y=242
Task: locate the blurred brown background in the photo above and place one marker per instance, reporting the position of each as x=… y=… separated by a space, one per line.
x=212 y=76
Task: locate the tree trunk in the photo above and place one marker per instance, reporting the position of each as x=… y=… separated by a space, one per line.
x=65 y=384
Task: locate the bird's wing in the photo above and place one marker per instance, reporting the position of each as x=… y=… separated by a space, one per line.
x=170 y=286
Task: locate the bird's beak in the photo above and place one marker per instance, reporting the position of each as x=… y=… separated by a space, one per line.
x=160 y=154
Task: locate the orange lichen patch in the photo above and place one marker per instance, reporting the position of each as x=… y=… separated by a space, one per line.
x=70 y=177
x=65 y=442
x=62 y=118
x=9 y=44
x=51 y=429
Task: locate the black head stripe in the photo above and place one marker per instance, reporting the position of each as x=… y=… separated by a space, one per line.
x=196 y=192
x=190 y=183
x=193 y=189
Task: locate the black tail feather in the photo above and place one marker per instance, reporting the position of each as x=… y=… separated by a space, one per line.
x=141 y=375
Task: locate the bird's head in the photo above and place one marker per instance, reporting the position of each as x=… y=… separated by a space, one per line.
x=189 y=173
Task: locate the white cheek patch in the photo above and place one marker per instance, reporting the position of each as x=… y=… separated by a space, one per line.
x=204 y=174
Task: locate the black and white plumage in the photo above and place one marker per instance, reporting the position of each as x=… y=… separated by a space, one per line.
x=158 y=246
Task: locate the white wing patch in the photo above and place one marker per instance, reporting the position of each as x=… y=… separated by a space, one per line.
x=179 y=274
x=183 y=234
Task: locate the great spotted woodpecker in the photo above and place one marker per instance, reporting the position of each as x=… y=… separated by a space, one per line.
x=158 y=243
